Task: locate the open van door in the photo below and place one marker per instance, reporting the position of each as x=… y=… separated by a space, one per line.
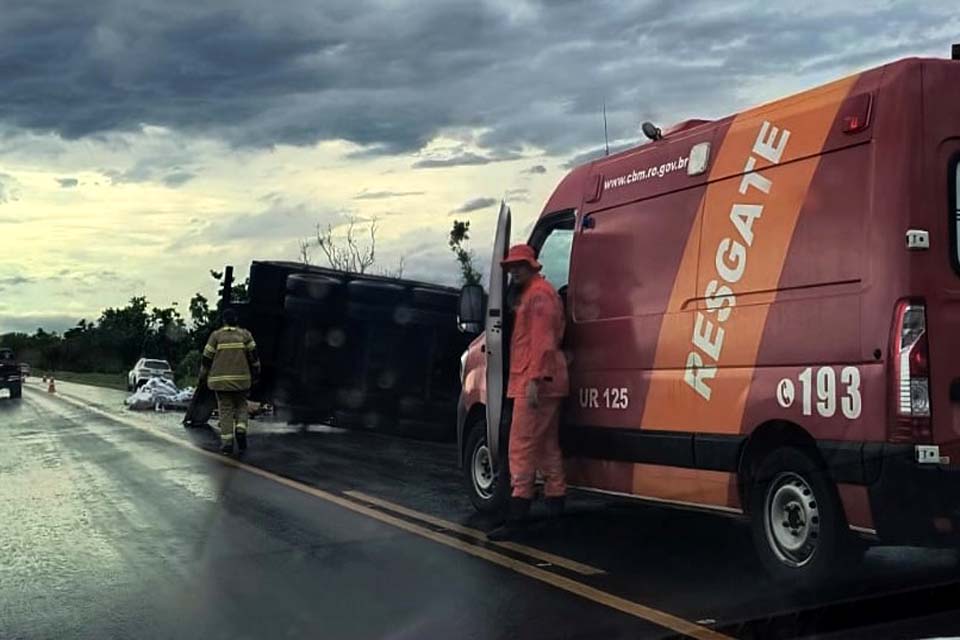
x=494 y=334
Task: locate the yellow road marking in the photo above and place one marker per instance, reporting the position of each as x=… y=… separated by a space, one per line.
x=569 y=585
x=560 y=561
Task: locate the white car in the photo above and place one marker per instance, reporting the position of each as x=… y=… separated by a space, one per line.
x=145 y=369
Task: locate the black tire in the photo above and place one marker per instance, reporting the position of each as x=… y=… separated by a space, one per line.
x=268 y=283
x=406 y=316
x=485 y=498
x=434 y=299
x=309 y=310
x=312 y=286
x=797 y=520
x=16 y=391
x=373 y=292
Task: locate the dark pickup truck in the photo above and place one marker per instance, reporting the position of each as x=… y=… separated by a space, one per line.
x=10 y=376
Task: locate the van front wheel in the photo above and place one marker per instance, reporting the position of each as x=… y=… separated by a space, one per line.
x=488 y=489
x=796 y=518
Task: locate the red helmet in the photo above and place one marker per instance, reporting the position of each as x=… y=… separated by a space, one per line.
x=522 y=253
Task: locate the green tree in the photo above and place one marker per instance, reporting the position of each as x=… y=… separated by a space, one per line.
x=122 y=334
x=459 y=236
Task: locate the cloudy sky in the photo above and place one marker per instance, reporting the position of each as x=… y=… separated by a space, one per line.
x=143 y=142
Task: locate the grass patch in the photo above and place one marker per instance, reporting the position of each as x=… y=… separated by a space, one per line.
x=107 y=380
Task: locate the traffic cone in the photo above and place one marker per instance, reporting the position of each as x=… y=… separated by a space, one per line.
x=51 y=388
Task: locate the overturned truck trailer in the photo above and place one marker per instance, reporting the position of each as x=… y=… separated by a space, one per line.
x=356 y=351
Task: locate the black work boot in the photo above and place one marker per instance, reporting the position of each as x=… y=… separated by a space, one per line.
x=517 y=511
x=555 y=506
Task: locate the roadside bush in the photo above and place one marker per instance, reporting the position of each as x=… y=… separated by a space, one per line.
x=189 y=368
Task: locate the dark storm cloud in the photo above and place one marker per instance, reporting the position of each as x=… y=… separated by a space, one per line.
x=177 y=178
x=14 y=281
x=535 y=169
x=517 y=195
x=383 y=195
x=29 y=323
x=67 y=183
x=390 y=76
x=278 y=221
x=474 y=205
x=598 y=152
x=166 y=168
x=463 y=159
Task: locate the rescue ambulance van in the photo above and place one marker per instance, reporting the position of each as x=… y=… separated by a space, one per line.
x=763 y=319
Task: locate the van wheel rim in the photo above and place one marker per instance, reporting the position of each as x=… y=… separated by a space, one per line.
x=792 y=520
x=483 y=476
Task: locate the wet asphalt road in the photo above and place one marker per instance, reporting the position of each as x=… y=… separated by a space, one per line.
x=107 y=531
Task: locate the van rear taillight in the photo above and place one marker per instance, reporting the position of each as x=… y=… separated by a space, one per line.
x=910 y=356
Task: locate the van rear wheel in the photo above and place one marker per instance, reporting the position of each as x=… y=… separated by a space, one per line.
x=488 y=489
x=797 y=520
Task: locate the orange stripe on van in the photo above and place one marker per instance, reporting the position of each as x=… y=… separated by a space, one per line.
x=685 y=486
x=671 y=404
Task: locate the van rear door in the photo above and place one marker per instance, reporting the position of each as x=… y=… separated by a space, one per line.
x=494 y=334
x=943 y=309
x=937 y=275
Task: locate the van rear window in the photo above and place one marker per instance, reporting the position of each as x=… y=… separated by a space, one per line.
x=955 y=212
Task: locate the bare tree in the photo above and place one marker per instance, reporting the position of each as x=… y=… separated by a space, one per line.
x=395 y=273
x=305 y=252
x=346 y=253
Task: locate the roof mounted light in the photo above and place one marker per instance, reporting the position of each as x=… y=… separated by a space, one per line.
x=651 y=130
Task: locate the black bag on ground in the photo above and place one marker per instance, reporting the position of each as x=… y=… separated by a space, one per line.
x=201 y=407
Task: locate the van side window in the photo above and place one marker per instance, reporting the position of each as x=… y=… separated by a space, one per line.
x=555 y=255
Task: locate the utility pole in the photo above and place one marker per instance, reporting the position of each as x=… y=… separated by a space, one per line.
x=226 y=289
x=606 y=141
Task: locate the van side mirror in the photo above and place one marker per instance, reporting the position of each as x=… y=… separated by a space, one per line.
x=472 y=308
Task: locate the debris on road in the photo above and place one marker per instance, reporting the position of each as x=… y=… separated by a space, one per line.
x=159 y=394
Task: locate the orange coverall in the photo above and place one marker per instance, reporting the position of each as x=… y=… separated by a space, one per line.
x=535 y=354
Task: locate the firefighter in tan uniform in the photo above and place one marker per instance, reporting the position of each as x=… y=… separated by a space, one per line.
x=230 y=367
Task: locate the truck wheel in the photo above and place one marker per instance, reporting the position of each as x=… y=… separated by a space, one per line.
x=309 y=309
x=375 y=292
x=16 y=391
x=312 y=287
x=488 y=490
x=434 y=299
x=797 y=520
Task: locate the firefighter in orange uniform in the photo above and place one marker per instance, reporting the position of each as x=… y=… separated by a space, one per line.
x=538 y=383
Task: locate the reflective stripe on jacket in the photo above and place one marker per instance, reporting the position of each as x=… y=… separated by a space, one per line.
x=233 y=354
x=535 y=352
